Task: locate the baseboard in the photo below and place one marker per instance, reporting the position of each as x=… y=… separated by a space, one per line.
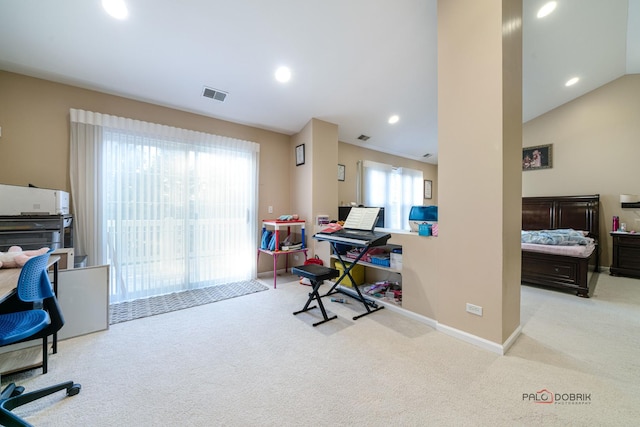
x=491 y=346
x=410 y=314
x=456 y=333
x=509 y=342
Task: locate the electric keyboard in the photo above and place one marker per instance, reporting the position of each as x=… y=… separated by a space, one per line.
x=355 y=238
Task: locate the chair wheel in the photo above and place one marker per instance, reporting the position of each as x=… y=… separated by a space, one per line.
x=17 y=391
x=73 y=390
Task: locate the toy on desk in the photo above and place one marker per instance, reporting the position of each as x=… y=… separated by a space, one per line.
x=15 y=257
x=293 y=217
x=332 y=227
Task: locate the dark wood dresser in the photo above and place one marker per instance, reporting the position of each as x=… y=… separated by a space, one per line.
x=626 y=254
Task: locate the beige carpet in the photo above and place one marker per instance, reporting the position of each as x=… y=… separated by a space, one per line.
x=249 y=362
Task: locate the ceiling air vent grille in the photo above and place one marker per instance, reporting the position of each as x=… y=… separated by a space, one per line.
x=426 y=156
x=363 y=137
x=215 y=94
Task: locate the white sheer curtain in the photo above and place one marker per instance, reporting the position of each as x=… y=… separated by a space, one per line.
x=169 y=209
x=395 y=189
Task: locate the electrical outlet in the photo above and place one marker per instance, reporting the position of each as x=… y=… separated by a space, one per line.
x=474 y=309
x=295 y=257
x=270 y=209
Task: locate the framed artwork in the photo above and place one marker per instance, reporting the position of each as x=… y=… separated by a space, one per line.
x=538 y=157
x=427 y=188
x=340 y=172
x=300 y=155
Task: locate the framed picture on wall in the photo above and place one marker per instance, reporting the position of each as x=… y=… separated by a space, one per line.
x=427 y=188
x=538 y=157
x=340 y=172
x=300 y=155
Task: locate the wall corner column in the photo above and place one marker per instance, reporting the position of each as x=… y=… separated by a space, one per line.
x=479 y=173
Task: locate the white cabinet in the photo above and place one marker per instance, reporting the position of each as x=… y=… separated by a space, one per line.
x=83 y=294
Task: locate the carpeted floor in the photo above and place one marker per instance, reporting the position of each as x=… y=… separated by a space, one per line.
x=249 y=362
x=131 y=310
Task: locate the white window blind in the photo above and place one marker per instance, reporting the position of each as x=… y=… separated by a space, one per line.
x=169 y=209
x=395 y=189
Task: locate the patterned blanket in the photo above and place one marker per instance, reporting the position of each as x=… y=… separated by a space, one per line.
x=562 y=237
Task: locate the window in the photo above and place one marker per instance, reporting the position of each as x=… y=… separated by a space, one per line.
x=395 y=189
x=174 y=209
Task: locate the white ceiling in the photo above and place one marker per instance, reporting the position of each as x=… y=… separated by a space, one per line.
x=354 y=62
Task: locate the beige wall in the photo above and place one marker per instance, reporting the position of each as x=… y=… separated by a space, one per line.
x=34 y=147
x=301 y=179
x=349 y=155
x=596 y=149
x=479 y=84
x=314 y=187
x=325 y=181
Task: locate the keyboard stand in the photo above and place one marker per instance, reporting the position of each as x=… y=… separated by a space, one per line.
x=370 y=305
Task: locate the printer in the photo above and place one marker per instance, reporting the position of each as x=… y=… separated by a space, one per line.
x=17 y=200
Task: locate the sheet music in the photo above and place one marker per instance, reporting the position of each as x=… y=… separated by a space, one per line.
x=362 y=218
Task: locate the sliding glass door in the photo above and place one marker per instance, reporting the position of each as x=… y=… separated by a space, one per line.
x=168 y=209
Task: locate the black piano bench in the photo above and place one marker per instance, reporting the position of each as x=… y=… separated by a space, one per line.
x=316 y=275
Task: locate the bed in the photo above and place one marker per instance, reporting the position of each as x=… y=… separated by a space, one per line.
x=564 y=267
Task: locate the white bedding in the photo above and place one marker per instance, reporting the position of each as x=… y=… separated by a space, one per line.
x=580 y=251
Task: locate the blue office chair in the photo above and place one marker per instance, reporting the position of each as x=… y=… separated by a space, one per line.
x=32 y=313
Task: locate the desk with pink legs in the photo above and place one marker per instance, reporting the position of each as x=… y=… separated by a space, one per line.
x=277 y=226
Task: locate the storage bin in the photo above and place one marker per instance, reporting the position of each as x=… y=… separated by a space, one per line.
x=356 y=272
x=382 y=260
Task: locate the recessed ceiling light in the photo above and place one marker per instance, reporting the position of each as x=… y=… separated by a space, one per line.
x=283 y=74
x=116 y=8
x=572 y=81
x=547 y=9
x=393 y=119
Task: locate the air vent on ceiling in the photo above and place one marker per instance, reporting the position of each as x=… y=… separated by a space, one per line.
x=216 y=94
x=426 y=156
x=363 y=137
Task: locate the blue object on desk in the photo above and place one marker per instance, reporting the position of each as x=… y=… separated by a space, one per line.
x=424 y=230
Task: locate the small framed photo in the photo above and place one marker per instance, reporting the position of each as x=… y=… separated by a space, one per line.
x=340 y=172
x=300 y=155
x=538 y=157
x=427 y=188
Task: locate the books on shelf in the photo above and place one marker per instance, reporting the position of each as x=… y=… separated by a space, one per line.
x=292 y=247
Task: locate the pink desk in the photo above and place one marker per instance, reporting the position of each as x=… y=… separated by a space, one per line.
x=278 y=225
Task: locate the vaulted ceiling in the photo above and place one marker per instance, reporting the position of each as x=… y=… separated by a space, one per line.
x=354 y=63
